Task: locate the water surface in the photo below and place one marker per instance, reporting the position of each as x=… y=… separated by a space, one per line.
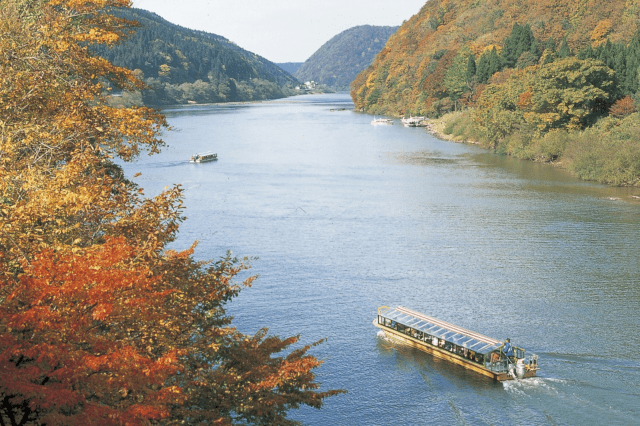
x=345 y=217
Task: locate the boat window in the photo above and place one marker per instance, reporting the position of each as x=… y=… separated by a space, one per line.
x=519 y=353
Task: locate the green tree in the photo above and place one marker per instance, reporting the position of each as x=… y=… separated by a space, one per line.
x=570 y=93
x=525 y=60
x=489 y=64
x=565 y=94
x=456 y=81
x=482 y=69
x=519 y=41
x=497 y=114
x=550 y=45
x=471 y=69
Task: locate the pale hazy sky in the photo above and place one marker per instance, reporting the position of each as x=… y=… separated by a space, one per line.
x=281 y=30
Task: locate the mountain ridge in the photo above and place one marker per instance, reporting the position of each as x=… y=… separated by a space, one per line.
x=338 y=61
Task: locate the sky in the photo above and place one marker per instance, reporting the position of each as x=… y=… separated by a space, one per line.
x=281 y=30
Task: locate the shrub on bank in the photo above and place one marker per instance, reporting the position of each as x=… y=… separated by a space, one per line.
x=460 y=126
x=608 y=152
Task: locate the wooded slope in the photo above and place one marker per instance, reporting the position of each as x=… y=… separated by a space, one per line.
x=408 y=76
x=183 y=64
x=340 y=59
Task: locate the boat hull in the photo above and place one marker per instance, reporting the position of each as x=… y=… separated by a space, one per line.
x=446 y=355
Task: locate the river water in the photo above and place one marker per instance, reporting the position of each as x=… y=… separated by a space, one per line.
x=345 y=217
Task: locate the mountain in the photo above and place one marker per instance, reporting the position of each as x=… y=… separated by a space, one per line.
x=183 y=65
x=290 y=67
x=340 y=59
x=409 y=75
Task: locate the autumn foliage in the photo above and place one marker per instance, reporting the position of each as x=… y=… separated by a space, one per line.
x=409 y=75
x=99 y=322
x=623 y=107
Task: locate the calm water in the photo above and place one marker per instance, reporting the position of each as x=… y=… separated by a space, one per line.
x=345 y=217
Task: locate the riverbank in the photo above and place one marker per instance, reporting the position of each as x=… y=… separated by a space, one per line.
x=438 y=128
x=608 y=152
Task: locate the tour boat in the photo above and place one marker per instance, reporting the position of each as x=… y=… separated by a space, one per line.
x=469 y=349
x=203 y=157
x=378 y=121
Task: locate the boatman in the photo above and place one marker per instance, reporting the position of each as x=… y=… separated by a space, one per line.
x=508 y=349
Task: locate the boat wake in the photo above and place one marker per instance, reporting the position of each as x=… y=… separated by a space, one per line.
x=381 y=335
x=523 y=387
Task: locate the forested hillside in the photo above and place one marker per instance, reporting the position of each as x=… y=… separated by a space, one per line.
x=183 y=65
x=340 y=59
x=532 y=77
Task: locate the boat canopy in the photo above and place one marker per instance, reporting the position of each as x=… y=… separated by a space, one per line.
x=451 y=333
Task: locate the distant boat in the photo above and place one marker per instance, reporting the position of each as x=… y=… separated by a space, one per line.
x=414 y=122
x=203 y=157
x=381 y=121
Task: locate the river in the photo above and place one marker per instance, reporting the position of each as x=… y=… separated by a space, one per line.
x=345 y=217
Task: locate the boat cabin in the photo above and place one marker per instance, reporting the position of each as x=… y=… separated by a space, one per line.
x=456 y=344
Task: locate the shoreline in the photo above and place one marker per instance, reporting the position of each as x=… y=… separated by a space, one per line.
x=257 y=101
x=436 y=127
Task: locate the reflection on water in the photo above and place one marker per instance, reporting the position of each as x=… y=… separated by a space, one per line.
x=346 y=216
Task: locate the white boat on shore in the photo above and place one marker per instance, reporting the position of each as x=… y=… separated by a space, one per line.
x=381 y=121
x=204 y=157
x=415 y=122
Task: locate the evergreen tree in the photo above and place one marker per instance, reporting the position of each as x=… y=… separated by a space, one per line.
x=519 y=41
x=564 y=50
x=633 y=63
x=550 y=45
x=482 y=69
x=620 y=64
x=587 y=53
x=471 y=69
x=495 y=62
x=535 y=49
x=605 y=53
